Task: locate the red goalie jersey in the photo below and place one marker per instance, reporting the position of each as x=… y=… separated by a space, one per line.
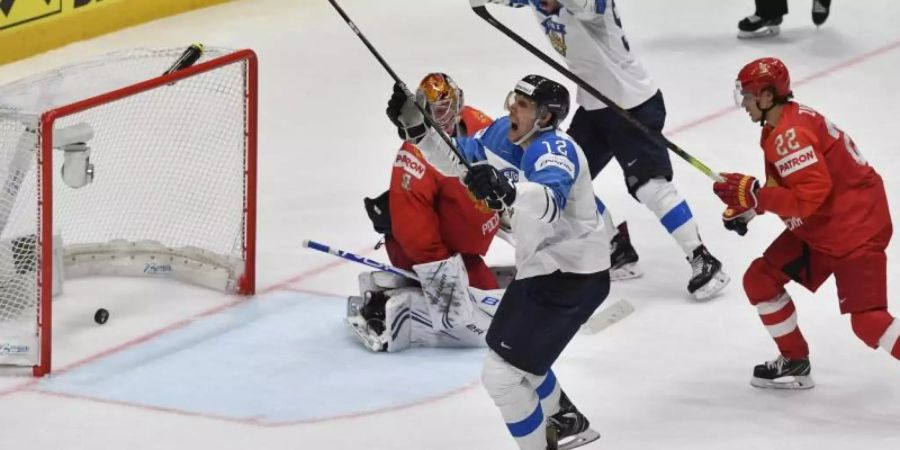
x=434 y=217
x=819 y=183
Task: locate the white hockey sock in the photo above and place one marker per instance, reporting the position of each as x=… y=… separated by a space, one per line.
x=513 y=392
x=673 y=212
x=549 y=392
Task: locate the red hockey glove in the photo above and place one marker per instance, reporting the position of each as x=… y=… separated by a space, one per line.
x=736 y=219
x=737 y=190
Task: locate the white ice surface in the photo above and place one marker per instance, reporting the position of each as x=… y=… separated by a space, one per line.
x=673 y=375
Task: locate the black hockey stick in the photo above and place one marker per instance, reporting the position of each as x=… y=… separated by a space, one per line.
x=187 y=58
x=428 y=119
x=479 y=7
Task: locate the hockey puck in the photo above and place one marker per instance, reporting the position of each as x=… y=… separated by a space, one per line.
x=101 y=316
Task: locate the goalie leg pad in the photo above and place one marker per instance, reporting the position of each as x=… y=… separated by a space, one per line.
x=377 y=280
x=398 y=319
x=446 y=287
x=420 y=329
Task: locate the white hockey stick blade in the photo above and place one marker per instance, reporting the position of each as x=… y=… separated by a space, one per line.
x=607 y=316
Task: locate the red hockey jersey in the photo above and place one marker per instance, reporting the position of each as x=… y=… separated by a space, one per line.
x=434 y=216
x=819 y=184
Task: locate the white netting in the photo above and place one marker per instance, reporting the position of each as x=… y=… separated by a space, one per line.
x=169 y=168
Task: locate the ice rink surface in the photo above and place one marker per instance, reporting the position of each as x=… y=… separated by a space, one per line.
x=179 y=367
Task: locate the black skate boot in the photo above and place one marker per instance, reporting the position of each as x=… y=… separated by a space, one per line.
x=568 y=428
x=756 y=27
x=366 y=318
x=820 y=10
x=622 y=256
x=373 y=311
x=707 y=278
x=769 y=374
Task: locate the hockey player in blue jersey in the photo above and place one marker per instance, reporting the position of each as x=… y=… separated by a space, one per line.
x=589 y=36
x=537 y=177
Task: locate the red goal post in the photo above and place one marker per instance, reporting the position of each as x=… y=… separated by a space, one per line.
x=156 y=177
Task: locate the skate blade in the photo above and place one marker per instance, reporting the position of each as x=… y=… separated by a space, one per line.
x=583 y=438
x=718 y=282
x=798 y=382
x=625 y=272
x=358 y=325
x=769 y=31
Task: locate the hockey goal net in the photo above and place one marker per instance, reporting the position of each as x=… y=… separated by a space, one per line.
x=109 y=168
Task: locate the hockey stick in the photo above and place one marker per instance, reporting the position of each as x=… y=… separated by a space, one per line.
x=479 y=7
x=359 y=259
x=428 y=119
x=613 y=313
x=187 y=58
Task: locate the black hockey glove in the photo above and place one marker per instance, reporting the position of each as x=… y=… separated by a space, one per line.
x=405 y=116
x=486 y=183
x=378 y=209
x=737 y=219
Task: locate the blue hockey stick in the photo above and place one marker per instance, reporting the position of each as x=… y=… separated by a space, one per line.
x=358 y=259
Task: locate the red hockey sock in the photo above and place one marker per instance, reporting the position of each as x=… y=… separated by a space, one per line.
x=780 y=318
x=890 y=340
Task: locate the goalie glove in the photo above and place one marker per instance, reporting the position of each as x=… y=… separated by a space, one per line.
x=404 y=114
x=736 y=219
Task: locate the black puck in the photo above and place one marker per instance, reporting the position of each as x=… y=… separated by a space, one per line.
x=101 y=316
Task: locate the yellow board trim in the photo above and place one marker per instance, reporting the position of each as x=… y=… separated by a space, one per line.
x=63 y=23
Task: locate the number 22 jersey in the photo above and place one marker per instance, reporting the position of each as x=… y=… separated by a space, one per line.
x=819 y=184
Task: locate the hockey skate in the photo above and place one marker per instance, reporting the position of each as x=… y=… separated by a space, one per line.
x=708 y=278
x=820 y=10
x=757 y=27
x=568 y=428
x=365 y=317
x=771 y=374
x=623 y=258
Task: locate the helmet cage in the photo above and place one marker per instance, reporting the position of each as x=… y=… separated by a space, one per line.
x=443 y=98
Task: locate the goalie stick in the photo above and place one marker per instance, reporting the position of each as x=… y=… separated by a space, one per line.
x=613 y=313
x=359 y=259
x=478 y=6
x=428 y=119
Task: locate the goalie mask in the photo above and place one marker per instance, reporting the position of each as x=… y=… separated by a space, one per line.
x=444 y=99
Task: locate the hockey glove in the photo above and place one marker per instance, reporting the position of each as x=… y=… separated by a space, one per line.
x=737 y=190
x=405 y=116
x=736 y=219
x=486 y=183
